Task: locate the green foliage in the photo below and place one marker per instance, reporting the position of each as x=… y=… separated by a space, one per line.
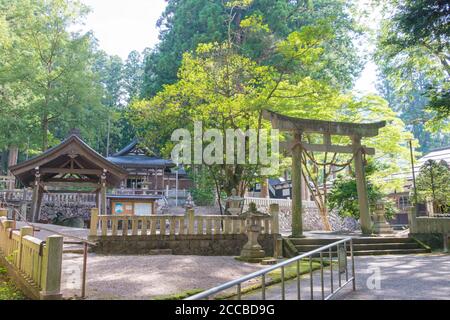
x=413 y=52
x=53 y=79
x=343 y=196
x=254 y=25
x=48 y=71
x=432 y=184
x=222 y=87
x=8 y=290
x=226 y=90
x=203 y=192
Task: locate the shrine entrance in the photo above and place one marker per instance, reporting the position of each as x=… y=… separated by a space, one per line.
x=355 y=131
x=72 y=166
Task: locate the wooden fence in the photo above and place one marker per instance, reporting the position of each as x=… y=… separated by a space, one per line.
x=36 y=264
x=56 y=198
x=266 y=202
x=188 y=224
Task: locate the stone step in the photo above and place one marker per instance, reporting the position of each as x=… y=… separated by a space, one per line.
x=364 y=240
x=391 y=251
x=374 y=252
x=161 y=252
x=73 y=248
x=365 y=246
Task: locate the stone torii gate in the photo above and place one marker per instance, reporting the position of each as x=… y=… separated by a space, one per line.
x=356 y=131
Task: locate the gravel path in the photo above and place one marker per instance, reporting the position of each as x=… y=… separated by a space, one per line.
x=146 y=277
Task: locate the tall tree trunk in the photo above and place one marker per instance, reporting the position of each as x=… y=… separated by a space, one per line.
x=265 y=188
x=13 y=155
x=44 y=132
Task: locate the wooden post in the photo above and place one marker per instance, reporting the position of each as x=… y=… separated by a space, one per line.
x=191 y=219
x=51 y=269
x=297 y=223
x=277 y=239
x=94 y=221
x=274 y=211
x=412 y=220
x=445 y=236
x=35 y=196
x=361 y=186
x=24 y=231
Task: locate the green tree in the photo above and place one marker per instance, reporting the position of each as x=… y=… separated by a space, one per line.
x=186 y=24
x=413 y=44
x=54 y=65
x=133 y=75
x=411 y=104
x=227 y=90
x=432 y=185
x=343 y=195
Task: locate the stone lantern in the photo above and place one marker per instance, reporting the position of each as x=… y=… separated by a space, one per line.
x=189 y=204
x=381 y=226
x=252 y=250
x=235 y=204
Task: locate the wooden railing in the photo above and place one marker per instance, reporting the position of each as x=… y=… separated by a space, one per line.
x=266 y=202
x=37 y=262
x=56 y=198
x=188 y=224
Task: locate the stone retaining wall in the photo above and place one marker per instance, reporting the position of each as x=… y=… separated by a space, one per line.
x=205 y=245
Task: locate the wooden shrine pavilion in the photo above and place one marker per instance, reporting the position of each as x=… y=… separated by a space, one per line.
x=72 y=166
x=147 y=171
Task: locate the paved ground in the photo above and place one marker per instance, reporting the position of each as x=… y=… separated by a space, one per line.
x=397 y=277
x=144 y=277
x=50 y=229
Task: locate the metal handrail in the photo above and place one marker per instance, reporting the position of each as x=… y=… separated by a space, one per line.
x=262 y=273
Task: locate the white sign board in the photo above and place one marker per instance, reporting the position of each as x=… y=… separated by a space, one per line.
x=143 y=209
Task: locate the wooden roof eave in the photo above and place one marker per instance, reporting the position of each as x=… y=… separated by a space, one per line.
x=115 y=174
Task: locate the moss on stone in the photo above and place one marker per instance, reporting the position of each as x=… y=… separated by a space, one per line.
x=180 y=295
x=274 y=277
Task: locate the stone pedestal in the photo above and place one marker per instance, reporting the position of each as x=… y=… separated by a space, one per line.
x=381 y=226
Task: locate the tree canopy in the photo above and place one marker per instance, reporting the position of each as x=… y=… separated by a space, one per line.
x=413 y=56
x=186 y=24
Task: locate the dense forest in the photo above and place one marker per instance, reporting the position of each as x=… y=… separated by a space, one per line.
x=232 y=58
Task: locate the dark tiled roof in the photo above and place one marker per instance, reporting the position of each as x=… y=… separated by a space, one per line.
x=140 y=161
x=126 y=149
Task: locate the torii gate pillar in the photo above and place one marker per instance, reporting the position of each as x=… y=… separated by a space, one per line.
x=297 y=219
x=361 y=187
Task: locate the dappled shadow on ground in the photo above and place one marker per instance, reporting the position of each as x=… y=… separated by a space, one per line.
x=401 y=277
x=144 y=277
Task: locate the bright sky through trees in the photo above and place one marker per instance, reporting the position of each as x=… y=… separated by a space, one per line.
x=125 y=25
